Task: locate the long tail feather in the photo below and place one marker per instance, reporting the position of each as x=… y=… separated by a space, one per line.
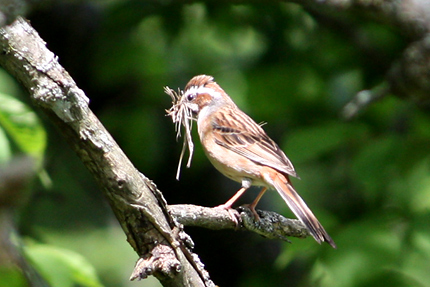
x=301 y=210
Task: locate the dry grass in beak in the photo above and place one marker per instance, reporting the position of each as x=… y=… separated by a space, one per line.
x=181 y=115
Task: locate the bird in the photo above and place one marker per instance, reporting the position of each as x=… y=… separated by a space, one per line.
x=241 y=150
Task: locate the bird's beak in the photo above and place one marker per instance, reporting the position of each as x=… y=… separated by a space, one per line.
x=194 y=108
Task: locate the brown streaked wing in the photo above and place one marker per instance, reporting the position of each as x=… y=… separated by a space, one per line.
x=241 y=134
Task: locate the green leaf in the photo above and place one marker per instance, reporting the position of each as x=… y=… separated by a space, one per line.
x=62 y=267
x=12 y=277
x=22 y=126
x=5 y=151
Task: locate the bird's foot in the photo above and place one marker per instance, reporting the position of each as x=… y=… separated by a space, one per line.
x=254 y=212
x=233 y=213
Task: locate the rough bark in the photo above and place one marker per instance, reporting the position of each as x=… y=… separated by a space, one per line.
x=160 y=242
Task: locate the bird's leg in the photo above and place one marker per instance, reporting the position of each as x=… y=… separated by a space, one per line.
x=234 y=215
x=246 y=183
x=233 y=199
x=255 y=202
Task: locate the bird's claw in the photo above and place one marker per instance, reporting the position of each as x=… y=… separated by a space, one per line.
x=233 y=213
x=253 y=210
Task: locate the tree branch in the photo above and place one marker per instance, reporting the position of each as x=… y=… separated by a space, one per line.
x=271 y=225
x=139 y=206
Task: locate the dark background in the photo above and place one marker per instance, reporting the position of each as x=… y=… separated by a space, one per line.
x=366 y=179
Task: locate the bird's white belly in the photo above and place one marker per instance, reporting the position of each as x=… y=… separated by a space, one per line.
x=231 y=165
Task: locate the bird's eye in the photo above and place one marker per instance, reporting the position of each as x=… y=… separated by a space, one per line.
x=191 y=97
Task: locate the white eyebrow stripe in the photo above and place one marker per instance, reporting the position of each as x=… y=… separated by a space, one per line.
x=200 y=90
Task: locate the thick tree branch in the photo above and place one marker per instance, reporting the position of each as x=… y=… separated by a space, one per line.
x=135 y=200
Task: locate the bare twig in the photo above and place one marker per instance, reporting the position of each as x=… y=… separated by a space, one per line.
x=271 y=225
x=363 y=99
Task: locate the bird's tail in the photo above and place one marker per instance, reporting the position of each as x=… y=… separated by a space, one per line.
x=300 y=209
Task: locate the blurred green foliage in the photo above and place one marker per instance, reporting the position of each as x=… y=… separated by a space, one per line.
x=61 y=267
x=22 y=126
x=366 y=179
